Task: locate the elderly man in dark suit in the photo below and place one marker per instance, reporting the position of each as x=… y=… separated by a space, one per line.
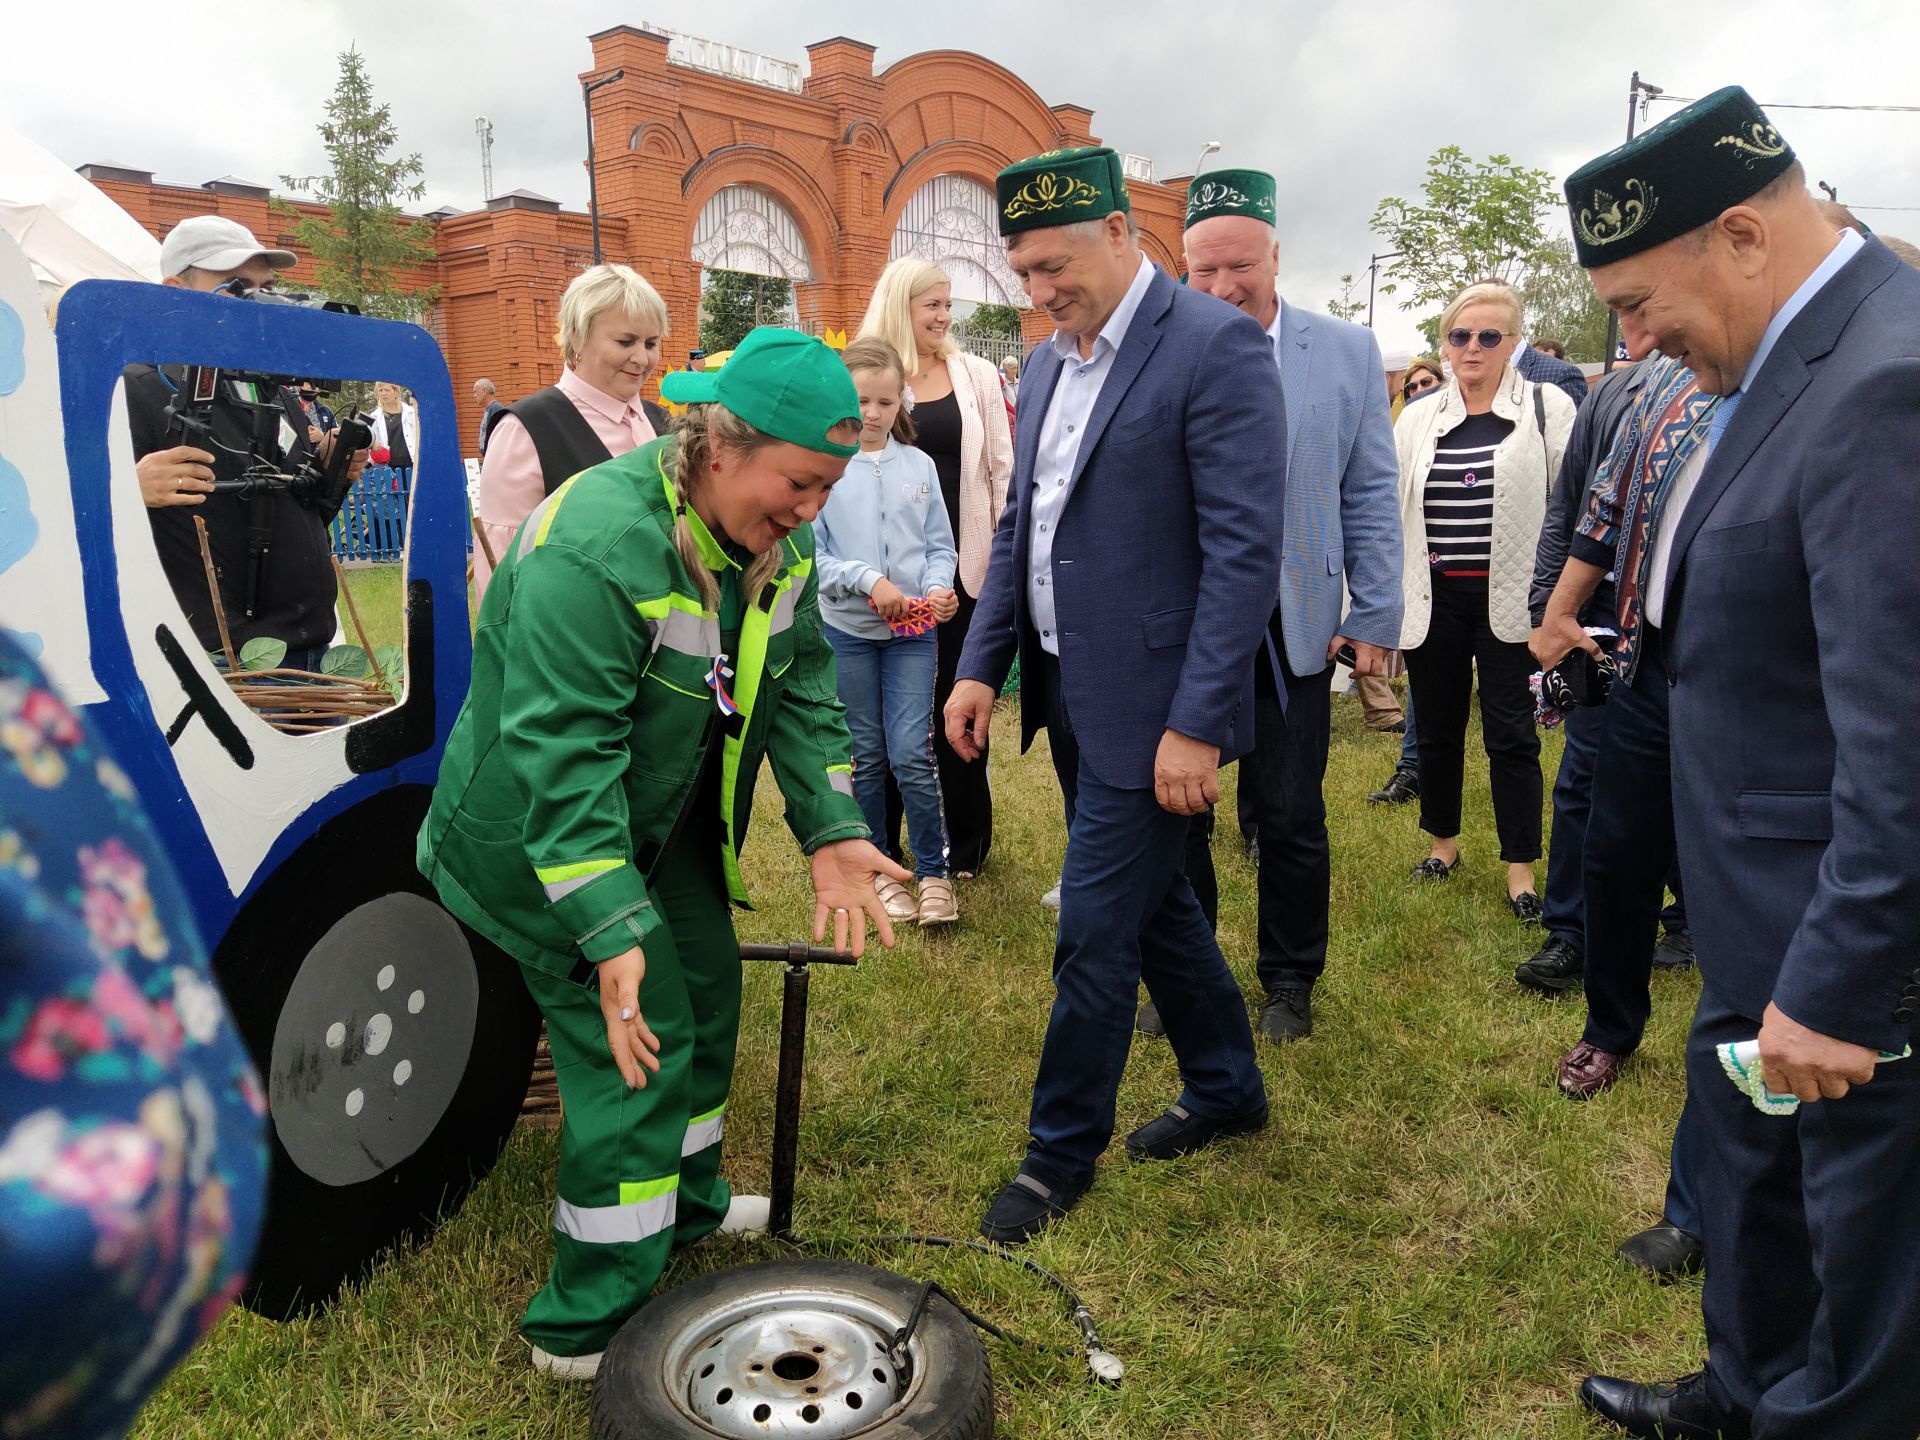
x=1780 y=603
x=1133 y=574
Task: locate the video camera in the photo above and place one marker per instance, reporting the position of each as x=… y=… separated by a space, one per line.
x=253 y=397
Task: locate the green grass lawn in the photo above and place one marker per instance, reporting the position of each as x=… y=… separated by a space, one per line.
x=379 y=594
x=1418 y=1246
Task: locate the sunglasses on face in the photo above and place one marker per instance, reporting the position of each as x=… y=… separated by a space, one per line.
x=1422 y=383
x=1488 y=338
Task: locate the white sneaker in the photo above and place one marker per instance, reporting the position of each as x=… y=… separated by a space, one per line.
x=567 y=1367
x=901 y=907
x=1052 y=898
x=746 y=1215
x=937 y=905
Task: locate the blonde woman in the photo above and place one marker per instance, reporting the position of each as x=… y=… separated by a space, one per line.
x=1477 y=459
x=396 y=425
x=960 y=418
x=611 y=324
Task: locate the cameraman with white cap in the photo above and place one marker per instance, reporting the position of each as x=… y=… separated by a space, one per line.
x=278 y=582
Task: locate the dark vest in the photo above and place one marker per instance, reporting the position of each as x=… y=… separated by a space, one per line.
x=563 y=439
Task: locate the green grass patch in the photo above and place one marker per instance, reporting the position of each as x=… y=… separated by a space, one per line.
x=1418 y=1247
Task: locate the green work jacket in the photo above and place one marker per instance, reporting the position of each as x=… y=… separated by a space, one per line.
x=600 y=685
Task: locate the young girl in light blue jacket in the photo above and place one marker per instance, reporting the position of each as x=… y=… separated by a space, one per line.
x=885 y=552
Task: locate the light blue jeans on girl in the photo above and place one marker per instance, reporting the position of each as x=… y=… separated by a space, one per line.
x=887 y=687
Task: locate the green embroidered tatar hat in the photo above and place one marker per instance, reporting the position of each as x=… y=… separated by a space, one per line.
x=1061 y=187
x=1230 y=192
x=1676 y=177
x=782 y=383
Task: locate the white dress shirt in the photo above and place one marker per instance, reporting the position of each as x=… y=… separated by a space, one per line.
x=1058 y=450
x=1688 y=480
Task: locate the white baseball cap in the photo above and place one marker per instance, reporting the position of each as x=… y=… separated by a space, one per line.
x=213 y=242
x=1396 y=359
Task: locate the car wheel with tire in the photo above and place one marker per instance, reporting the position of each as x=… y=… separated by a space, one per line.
x=794 y=1347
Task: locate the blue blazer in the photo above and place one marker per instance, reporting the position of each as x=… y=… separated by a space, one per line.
x=1342 y=491
x=1545 y=369
x=1793 y=635
x=1168 y=554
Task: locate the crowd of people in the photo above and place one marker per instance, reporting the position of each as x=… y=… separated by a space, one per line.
x=833 y=561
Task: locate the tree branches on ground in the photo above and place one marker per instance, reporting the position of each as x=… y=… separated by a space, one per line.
x=1478 y=220
x=368 y=251
x=734 y=303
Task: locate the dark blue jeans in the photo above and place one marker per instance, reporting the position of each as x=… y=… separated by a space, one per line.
x=887 y=687
x=1409 y=742
x=1565 y=916
x=1127 y=915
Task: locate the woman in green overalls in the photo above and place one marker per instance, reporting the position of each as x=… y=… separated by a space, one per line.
x=651 y=632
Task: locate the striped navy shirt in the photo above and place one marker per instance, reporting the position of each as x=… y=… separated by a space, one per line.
x=1458 y=498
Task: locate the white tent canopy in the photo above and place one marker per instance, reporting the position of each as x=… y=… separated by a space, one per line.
x=67 y=228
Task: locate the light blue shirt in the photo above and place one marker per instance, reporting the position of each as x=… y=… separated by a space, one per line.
x=885 y=517
x=1058 y=451
x=1849 y=246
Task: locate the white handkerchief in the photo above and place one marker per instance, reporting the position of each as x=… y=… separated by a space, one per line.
x=1741 y=1061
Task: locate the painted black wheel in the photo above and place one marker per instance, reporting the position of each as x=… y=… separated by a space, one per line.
x=793 y=1347
x=395 y=1042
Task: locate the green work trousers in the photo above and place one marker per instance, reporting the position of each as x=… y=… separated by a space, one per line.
x=640 y=1169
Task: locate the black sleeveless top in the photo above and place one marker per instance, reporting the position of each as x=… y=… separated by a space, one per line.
x=937 y=433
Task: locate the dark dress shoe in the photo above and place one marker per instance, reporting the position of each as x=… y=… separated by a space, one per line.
x=1178 y=1131
x=1434 y=868
x=1402 y=789
x=1674 y=952
x=1586 y=1070
x=1148 y=1021
x=1526 y=907
x=1665 y=1252
x=1555 y=968
x=1026 y=1207
x=1287 y=1014
x=1672 y=1410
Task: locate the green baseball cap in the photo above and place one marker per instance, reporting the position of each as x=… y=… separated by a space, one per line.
x=782 y=383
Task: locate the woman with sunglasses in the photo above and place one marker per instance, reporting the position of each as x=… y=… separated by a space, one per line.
x=1476 y=463
x=1424 y=376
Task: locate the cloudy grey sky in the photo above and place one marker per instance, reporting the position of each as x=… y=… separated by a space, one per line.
x=1343 y=101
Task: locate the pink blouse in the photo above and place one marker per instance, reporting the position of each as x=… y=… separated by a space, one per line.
x=510 y=481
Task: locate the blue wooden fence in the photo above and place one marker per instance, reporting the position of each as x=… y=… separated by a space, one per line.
x=372 y=523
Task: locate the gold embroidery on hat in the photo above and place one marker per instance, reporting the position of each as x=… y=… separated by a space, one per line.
x=1759 y=141
x=1048 y=192
x=1214 y=194
x=1609 y=219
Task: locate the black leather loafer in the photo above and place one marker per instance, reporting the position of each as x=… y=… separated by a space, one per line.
x=1434 y=868
x=1672 y=1410
x=1555 y=968
x=1026 y=1207
x=1665 y=1252
x=1178 y=1131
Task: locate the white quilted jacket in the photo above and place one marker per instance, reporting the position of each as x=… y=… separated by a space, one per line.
x=1525 y=466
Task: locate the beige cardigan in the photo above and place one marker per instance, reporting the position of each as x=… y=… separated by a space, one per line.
x=1525 y=468
x=986 y=462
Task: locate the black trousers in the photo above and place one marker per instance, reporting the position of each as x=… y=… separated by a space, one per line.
x=1281 y=787
x=964 y=797
x=1811 y=1224
x=1441 y=671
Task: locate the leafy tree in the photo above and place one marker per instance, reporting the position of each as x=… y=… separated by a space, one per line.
x=734 y=302
x=1000 y=320
x=1347 y=305
x=1561 y=302
x=366 y=244
x=1480 y=220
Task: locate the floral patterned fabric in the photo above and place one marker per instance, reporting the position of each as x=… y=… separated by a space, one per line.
x=132 y=1132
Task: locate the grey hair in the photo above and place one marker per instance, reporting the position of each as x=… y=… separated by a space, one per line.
x=1094 y=229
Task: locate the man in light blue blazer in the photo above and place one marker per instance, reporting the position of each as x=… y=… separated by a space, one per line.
x=1132 y=573
x=1342 y=502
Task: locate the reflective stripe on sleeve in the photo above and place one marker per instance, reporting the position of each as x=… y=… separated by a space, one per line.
x=704 y=1130
x=646 y=1208
x=533 y=533
x=840 y=777
x=560 y=881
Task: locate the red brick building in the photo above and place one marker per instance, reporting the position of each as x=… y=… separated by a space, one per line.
x=710 y=157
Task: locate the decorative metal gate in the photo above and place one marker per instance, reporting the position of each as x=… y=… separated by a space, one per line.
x=745 y=229
x=950 y=221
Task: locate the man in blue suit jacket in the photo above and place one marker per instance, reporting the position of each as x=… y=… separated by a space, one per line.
x=1342 y=523
x=1782 y=597
x=1544 y=369
x=1132 y=573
